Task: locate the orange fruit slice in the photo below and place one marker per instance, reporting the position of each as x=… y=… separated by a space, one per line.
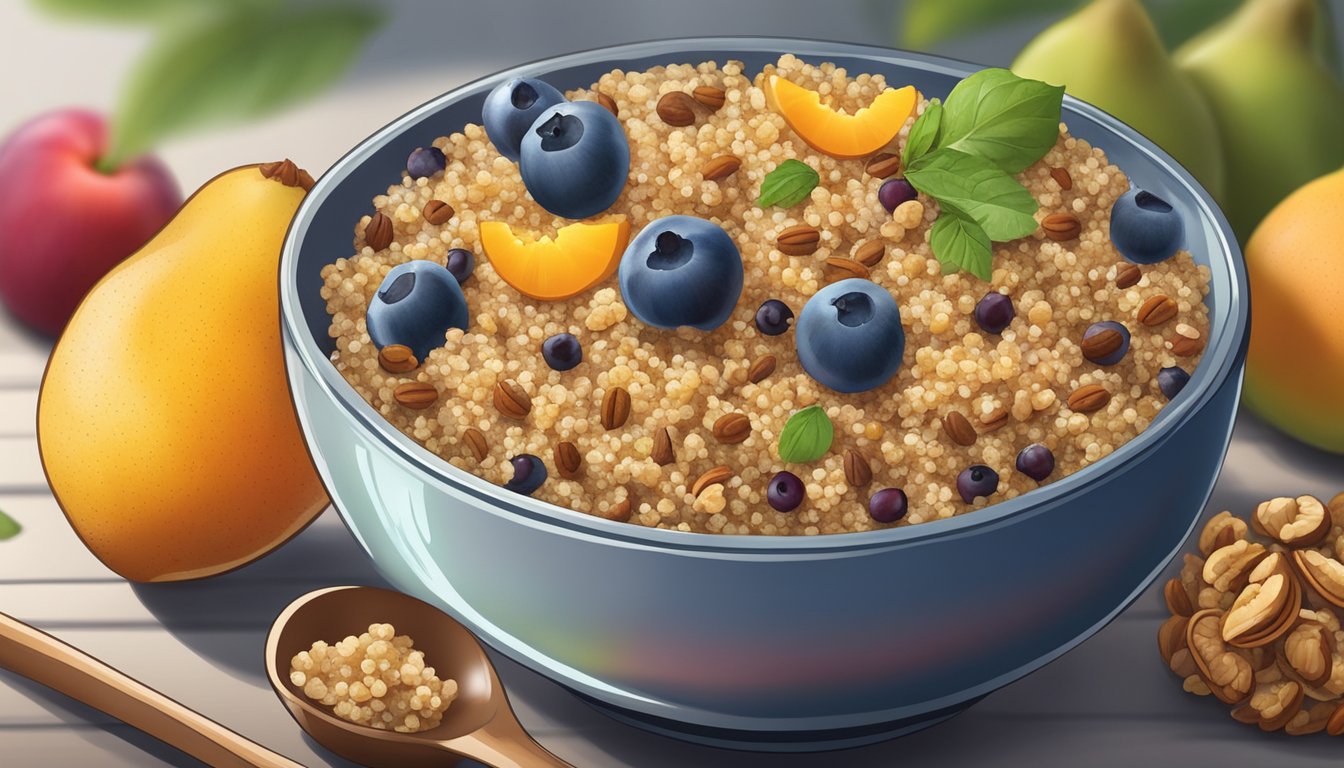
x=839 y=134
x=577 y=258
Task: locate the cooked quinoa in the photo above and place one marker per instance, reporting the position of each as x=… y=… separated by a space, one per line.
x=687 y=379
x=377 y=679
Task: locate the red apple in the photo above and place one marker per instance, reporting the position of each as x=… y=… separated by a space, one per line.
x=64 y=222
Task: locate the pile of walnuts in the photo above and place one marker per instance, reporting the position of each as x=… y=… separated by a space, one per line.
x=1256 y=619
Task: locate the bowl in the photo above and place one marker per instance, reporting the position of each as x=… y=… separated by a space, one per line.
x=774 y=643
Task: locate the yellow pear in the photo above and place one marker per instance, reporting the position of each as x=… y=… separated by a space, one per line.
x=165 y=421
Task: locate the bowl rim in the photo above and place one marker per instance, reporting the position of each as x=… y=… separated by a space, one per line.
x=1221 y=357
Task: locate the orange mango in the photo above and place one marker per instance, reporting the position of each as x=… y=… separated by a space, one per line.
x=835 y=133
x=577 y=258
x=1295 y=368
x=165 y=422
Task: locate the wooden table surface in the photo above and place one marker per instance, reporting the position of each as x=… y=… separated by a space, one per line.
x=1109 y=702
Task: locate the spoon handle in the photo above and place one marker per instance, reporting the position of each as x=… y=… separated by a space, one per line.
x=502 y=743
x=44 y=659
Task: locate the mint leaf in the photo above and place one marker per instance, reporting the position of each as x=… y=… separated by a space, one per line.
x=806 y=436
x=923 y=134
x=960 y=243
x=8 y=527
x=1003 y=208
x=788 y=184
x=234 y=64
x=1008 y=120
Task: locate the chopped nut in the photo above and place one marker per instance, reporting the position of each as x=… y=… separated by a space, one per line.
x=715 y=476
x=475 y=442
x=1127 y=275
x=567 y=459
x=1089 y=398
x=882 y=165
x=676 y=109
x=1061 y=227
x=761 y=369
x=615 y=408
x=396 y=358
x=720 y=167
x=870 y=253
x=607 y=102
x=798 y=240
x=1156 y=310
x=663 y=451
x=418 y=395
x=378 y=232
x=1062 y=178
x=512 y=400
x=709 y=96
x=732 y=428
x=858 y=473
x=958 y=428
x=437 y=212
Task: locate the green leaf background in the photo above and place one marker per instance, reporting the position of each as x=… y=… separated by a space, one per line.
x=927 y=23
x=233 y=67
x=140 y=11
x=9 y=528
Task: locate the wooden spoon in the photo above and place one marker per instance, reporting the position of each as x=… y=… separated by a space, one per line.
x=42 y=658
x=479 y=724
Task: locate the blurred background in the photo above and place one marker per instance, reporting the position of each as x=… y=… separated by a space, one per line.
x=82 y=52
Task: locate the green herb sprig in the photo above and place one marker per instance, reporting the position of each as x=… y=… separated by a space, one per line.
x=9 y=527
x=963 y=152
x=806 y=436
x=788 y=184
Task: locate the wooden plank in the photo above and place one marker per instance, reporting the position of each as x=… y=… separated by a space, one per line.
x=18 y=412
x=48 y=550
x=20 y=466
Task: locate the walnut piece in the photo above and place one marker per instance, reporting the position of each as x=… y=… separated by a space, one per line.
x=1227 y=672
x=1221 y=530
x=1299 y=522
x=1228 y=568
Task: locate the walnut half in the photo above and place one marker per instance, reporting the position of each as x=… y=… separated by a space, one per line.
x=1299 y=522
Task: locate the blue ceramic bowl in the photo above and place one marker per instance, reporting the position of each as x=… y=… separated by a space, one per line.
x=769 y=642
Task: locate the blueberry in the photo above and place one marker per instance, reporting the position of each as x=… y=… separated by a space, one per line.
x=774 y=317
x=785 y=492
x=425 y=162
x=575 y=159
x=994 y=312
x=1036 y=461
x=416 y=304
x=888 y=505
x=681 y=270
x=1112 y=329
x=562 y=351
x=849 y=336
x=512 y=107
x=528 y=474
x=1171 y=381
x=1145 y=228
x=978 y=480
x=893 y=192
x=461 y=262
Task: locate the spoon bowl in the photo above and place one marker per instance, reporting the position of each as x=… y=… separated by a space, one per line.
x=479 y=724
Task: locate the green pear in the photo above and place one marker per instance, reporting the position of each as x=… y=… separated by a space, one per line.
x=1109 y=54
x=1278 y=107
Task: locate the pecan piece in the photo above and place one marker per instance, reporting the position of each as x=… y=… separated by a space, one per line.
x=615 y=408
x=512 y=400
x=798 y=240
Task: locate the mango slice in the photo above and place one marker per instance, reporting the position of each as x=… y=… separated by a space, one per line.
x=835 y=133
x=579 y=257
